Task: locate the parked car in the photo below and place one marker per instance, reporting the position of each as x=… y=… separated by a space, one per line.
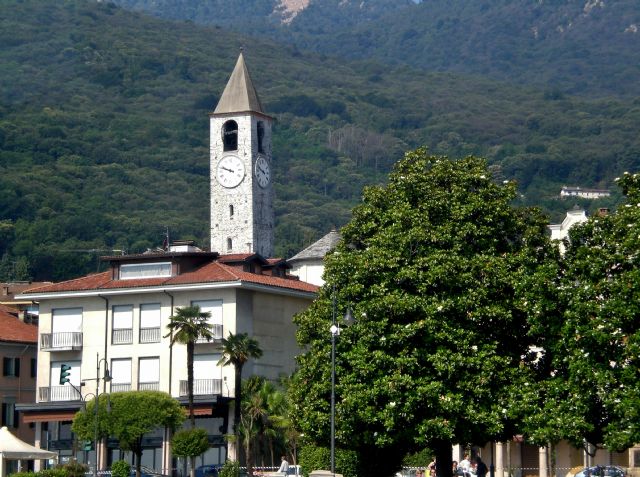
x=602 y=471
x=207 y=470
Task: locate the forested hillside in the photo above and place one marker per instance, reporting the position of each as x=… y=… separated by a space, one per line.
x=104 y=132
x=575 y=46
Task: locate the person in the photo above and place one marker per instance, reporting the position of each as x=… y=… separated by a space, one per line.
x=481 y=468
x=465 y=465
x=432 y=468
x=284 y=465
x=456 y=469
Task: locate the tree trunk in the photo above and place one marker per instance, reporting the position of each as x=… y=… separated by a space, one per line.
x=444 y=458
x=192 y=472
x=190 y=351
x=238 y=397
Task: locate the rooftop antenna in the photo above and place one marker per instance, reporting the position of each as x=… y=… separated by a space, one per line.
x=166 y=241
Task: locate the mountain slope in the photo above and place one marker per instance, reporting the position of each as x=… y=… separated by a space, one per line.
x=576 y=46
x=104 y=132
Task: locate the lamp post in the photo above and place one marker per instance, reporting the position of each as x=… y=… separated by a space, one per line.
x=335 y=331
x=106 y=378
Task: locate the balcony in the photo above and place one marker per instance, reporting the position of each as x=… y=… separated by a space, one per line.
x=149 y=335
x=122 y=336
x=202 y=387
x=58 y=393
x=151 y=386
x=67 y=341
x=216 y=330
x=120 y=387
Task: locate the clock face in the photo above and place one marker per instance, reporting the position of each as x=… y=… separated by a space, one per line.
x=230 y=172
x=262 y=171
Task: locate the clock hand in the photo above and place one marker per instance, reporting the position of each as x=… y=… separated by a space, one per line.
x=228 y=170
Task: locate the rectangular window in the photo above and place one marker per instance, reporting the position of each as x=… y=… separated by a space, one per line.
x=11 y=367
x=122 y=324
x=214 y=307
x=145 y=270
x=150 y=323
x=64 y=392
x=66 y=328
x=120 y=375
x=149 y=374
x=9 y=413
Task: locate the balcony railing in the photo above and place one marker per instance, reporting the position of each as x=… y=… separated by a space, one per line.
x=202 y=387
x=216 y=331
x=119 y=387
x=152 y=386
x=66 y=341
x=122 y=336
x=149 y=335
x=58 y=393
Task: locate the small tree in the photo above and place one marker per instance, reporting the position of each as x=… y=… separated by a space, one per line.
x=133 y=414
x=237 y=350
x=186 y=327
x=190 y=443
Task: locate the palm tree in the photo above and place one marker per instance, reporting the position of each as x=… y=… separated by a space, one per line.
x=237 y=350
x=186 y=326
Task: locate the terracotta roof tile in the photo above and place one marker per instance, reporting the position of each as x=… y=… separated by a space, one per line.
x=14 y=330
x=209 y=273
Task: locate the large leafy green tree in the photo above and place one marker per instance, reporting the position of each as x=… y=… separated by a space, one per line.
x=131 y=415
x=434 y=266
x=237 y=349
x=588 y=388
x=186 y=326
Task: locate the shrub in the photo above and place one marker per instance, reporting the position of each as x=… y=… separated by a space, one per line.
x=24 y=474
x=313 y=457
x=58 y=471
x=75 y=469
x=231 y=468
x=189 y=442
x=120 y=468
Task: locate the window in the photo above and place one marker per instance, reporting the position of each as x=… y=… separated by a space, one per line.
x=149 y=374
x=260 y=128
x=230 y=210
x=66 y=328
x=9 y=413
x=11 y=367
x=150 y=323
x=145 y=270
x=207 y=375
x=120 y=375
x=229 y=244
x=214 y=307
x=34 y=367
x=230 y=136
x=122 y=332
x=65 y=392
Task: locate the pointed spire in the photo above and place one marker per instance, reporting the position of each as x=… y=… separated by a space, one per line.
x=239 y=95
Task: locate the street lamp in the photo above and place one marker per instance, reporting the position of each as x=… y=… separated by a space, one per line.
x=335 y=331
x=106 y=378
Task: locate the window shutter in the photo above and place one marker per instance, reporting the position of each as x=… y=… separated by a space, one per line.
x=34 y=367
x=4 y=413
x=16 y=370
x=6 y=368
x=16 y=417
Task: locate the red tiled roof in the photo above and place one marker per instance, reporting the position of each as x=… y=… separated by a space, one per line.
x=211 y=272
x=14 y=330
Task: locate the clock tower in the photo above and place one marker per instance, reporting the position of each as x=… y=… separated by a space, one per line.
x=242 y=218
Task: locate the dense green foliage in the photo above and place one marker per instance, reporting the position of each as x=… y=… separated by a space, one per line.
x=585 y=47
x=131 y=415
x=104 y=133
x=435 y=266
x=189 y=442
x=589 y=371
x=231 y=468
x=313 y=457
x=120 y=468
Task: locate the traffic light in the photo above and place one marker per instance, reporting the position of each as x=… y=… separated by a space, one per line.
x=65 y=371
x=87 y=445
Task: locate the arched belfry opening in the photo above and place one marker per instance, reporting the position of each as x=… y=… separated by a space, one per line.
x=260 y=128
x=230 y=135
